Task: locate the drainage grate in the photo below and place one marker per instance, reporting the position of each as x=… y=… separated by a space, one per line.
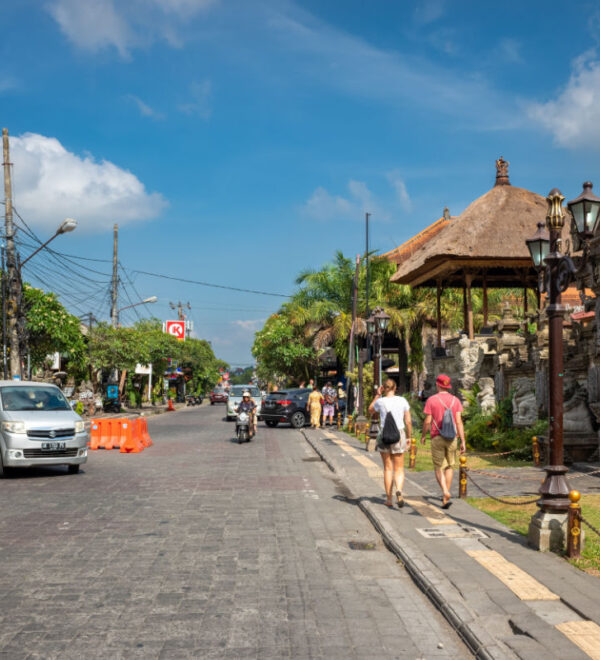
x=452 y=532
x=312 y=459
x=362 y=545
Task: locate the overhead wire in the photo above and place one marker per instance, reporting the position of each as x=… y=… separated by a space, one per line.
x=209 y=284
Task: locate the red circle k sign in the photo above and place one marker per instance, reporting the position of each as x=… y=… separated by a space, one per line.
x=177 y=329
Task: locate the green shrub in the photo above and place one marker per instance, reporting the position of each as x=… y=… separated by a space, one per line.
x=79 y=408
x=494 y=432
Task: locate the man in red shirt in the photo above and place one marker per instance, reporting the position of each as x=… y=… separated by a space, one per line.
x=443 y=449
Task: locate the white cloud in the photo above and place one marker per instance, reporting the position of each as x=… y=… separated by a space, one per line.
x=51 y=183
x=574 y=117
x=399 y=186
x=345 y=62
x=251 y=325
x=144 y=108
x=428 y=11
x=93 y=25
x=324 y=206
x=200 y=100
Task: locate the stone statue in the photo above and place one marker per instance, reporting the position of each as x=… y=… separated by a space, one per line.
x=486 y=397
x=577 y=417
x=524 y=402
x=470 y=357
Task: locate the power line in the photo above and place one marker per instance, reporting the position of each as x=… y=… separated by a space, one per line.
x=215 y=286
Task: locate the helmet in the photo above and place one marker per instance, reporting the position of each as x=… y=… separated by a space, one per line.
x=246 y=393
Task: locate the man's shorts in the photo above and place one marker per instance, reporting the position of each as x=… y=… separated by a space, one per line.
x=328 y=410
x=443 y=452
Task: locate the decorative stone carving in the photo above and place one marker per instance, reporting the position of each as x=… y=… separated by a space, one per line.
x=486 y=397
x=470 y=357
x=524 y=402
x=541 y=391
x=577 y=417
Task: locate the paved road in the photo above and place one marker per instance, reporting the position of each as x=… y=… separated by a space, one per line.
x=199 y=547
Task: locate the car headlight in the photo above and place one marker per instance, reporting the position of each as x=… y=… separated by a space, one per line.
x=79 y=427
x=13 y=427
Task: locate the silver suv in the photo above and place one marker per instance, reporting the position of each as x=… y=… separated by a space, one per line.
x=38 y=427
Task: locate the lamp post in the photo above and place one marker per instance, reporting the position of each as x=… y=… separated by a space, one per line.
x=146 y=301
x=376 y=326
x=67 y=225
x=556 y=272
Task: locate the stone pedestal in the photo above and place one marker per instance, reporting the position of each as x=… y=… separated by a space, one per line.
x=548 y=531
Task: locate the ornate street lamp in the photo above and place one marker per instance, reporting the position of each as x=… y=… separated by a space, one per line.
x=586 y=212
x=539 y=245
x=547 y=526
x=376 y=327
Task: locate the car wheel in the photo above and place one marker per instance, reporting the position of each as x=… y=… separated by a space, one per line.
x=73 y=469
x=212 y=403
x=271 y=422
x=298 y=419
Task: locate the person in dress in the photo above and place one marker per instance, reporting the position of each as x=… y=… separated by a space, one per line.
x=330 y=404
x=314 y=406
x=387 y=403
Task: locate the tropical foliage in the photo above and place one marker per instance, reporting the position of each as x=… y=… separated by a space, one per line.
x=319 y=316
x=50 y=328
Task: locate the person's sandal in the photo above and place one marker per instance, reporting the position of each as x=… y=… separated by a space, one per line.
x=446 y=503
x=399 y=499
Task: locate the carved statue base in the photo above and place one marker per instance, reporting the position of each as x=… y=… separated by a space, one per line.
x=548 y=531
x=577 y=448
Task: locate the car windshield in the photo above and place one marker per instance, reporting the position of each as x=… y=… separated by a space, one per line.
x=238 y=390
x=33 y=398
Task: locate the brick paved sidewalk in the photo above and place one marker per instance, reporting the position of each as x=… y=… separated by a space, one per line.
x=505 y=599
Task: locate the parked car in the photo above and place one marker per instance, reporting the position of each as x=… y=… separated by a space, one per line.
x=38 y=427
x=218 y=395
x=235 y=398
x=286 y=406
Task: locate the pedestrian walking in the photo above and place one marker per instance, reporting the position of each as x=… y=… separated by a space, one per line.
x=302 y=384
x=311 y=384
x=443 y=420
x=400 y=426
x=314 y=406
x=341 y=398
x=330 y=403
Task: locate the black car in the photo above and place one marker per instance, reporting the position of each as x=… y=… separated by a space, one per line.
x=287 y=406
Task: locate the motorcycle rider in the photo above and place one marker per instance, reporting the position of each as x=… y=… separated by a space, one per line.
x=247 y=405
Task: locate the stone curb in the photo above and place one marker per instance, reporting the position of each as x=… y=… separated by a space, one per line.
x=432 y=582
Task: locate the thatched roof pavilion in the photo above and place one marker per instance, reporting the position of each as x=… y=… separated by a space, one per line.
x=483 y=247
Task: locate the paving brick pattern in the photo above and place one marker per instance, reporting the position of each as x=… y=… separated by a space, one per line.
x=199 y=547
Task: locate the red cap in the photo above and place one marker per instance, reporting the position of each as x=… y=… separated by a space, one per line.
x=443 y=381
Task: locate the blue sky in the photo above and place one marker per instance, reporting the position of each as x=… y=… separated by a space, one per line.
x=238 y=142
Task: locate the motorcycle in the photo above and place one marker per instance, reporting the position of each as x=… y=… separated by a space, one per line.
x=244 y=429
x=193 y=400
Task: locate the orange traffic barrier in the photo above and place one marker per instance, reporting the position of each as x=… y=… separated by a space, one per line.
x=129 y=436
x=132 y=443
x=95 y=434
x=146 y=439
x=170 y=406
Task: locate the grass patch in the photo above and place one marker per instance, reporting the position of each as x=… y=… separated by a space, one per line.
x=517 y=518
x=424 y=463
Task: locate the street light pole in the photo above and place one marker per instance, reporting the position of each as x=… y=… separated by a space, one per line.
x=146 y=301
x=376 y=327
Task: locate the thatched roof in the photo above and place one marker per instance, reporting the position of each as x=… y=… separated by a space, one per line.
x=408 y=248
x=488 y=236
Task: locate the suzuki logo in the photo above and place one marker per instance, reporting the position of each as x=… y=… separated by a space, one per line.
x=52 y=434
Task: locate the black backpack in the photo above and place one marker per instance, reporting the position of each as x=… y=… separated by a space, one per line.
x=390 y=434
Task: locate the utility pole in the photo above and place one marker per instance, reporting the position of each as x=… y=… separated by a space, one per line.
x=179 y=307
x=4 y=335
x=114 y=316
x=367 y=216
x=14 y=280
